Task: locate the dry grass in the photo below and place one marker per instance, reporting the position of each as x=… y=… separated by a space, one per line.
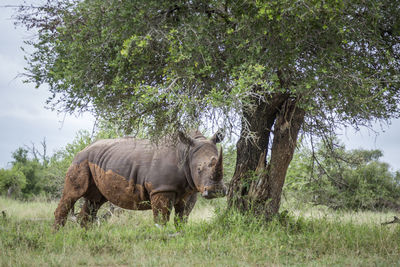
x=356 y=217
x=34 y=210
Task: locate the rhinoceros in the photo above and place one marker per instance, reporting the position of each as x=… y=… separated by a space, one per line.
x=137 y=174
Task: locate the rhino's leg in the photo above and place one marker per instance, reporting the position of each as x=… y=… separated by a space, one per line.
x=93 y=201
x=89 y=211
x=183 y=209
x=76 y=184
x=161 y=204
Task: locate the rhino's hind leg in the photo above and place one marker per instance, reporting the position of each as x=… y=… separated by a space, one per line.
x=76 y=184
x=93 y=201
x=61 y=213
x=161 y=204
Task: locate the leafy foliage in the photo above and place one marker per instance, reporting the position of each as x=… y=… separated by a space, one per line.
x=25 y=176
x=229 y=162
x=166 y=64
x=12 y=181
x=354 y=179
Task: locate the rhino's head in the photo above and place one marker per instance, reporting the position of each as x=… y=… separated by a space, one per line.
x=205 y=164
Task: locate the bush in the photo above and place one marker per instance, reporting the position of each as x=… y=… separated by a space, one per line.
x=12 y=181
x=342 y=179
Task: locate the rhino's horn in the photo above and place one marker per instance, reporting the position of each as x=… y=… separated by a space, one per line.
x=219 y=168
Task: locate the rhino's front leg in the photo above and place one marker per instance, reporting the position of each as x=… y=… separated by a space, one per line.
x=161 y=204
x=183 y=209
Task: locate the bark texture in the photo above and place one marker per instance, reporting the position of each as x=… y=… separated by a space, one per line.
x=257 y=184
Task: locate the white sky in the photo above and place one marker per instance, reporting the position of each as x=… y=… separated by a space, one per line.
x=24 y=119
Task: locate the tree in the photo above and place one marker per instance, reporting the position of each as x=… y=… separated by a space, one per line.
x=263 y=68
x=23 y=177
x=27 y=175
x=12 y=181
x=344 y=179
x=32 y=171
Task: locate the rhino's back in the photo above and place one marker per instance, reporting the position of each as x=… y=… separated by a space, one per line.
x=123 y=156
x=128 y=171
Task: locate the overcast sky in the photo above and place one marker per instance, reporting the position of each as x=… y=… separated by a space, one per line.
x=24 y=119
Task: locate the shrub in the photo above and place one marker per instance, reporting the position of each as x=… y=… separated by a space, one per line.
x=342 y=179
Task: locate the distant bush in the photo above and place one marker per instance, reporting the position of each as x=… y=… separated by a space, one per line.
x=24 y=179
x=342 y=179
x=12 y=181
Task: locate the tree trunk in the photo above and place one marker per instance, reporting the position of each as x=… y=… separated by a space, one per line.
x=258 y=122
x=256 y=185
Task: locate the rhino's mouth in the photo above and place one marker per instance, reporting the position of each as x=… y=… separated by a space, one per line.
x=209 y=194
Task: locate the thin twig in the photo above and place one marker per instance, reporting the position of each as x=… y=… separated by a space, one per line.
x=395 y=220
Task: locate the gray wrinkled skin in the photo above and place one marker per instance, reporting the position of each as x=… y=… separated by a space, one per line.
x=138 y=175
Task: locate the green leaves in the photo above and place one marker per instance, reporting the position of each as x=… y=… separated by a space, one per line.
x=135 y=45
x=117 y=59
x=12 y=178
x=344 y=179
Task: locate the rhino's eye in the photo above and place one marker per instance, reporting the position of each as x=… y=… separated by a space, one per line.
x=200 y=168
x=213 y=162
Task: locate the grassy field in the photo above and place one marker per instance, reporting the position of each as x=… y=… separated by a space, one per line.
x=309 y=236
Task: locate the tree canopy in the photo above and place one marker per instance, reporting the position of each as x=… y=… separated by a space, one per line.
x=177 y=62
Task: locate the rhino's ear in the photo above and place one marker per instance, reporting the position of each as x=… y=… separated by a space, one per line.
x=186 y=139
x=218 y=136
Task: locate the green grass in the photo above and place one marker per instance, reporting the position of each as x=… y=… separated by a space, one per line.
x=308 y=237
